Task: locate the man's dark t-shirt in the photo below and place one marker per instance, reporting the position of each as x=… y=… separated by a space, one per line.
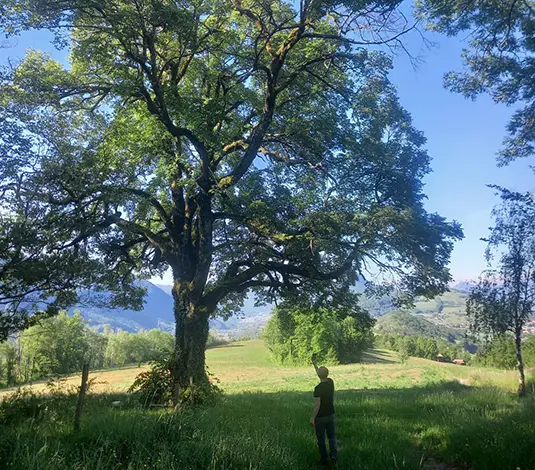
x=325 y=391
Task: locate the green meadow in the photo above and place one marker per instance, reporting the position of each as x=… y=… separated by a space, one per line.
x=417 y=415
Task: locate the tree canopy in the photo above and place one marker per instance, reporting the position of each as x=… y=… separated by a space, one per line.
x=499 y=59
x=242 y=144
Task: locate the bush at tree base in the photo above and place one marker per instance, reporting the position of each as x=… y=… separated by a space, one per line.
x=155 y=387
x=293 y=334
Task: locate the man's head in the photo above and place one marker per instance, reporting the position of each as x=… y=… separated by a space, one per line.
x=323 y=372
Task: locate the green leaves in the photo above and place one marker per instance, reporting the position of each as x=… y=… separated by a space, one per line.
x=334 y=335
x=504 y=299
x=499 y=59
x=245 y=145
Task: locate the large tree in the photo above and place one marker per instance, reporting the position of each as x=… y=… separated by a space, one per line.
x=504 y=299
x=242 y=144
x=499 y=59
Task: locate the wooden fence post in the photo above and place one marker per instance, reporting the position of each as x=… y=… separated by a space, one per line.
x=81 y=398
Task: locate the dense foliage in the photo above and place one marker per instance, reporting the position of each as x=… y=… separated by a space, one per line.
x=499 y=59
x=293 y=334
x=242 y=144
x=500 y=352
x=420 y=346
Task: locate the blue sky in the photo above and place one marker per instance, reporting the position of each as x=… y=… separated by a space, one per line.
x=463 y=138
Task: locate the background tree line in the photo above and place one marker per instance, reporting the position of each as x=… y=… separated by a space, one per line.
x=422 y=346
x=501 y=353
x=61 y=344
x=498 y=352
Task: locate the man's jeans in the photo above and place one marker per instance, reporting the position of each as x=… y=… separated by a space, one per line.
x=326 y=425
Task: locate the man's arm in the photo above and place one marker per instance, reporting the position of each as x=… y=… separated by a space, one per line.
x=314 y=363
x=317 y=405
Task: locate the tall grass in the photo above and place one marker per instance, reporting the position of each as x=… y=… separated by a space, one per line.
x=420 y=419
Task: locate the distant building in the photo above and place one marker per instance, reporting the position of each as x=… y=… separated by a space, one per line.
x=529 y=328
x=440 y=358
x=459 y=362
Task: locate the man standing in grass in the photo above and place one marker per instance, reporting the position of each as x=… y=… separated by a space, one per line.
x=323 y=415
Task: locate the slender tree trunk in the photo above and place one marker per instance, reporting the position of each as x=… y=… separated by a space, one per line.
x=191 y=335
x=81 y=397
x=520 y=363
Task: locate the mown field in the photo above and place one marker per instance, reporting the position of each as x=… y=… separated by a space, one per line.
x=418 y=415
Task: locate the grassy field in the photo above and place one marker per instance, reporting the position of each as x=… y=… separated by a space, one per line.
x=418 y=415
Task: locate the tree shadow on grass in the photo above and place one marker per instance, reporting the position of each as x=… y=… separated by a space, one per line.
x=405 y=428
x=225 y=346
x=377 y=429
x=374 y=356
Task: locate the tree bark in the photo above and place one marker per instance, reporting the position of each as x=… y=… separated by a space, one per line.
x=191 y=335
x=520 y=363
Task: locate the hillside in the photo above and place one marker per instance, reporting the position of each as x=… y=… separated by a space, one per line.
x=405 y=323
x=447 y=312
x=448 y=309
x=157 y=312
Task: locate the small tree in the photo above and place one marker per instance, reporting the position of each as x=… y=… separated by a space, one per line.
x=339 y=335
x=504 y=298
x=57 y=345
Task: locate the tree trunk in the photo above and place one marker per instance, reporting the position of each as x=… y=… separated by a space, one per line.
x=520 y=363
x=191 y=335
x=81 y=397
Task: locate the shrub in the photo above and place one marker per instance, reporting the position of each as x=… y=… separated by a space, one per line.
x=155 y=387
x=22 y=404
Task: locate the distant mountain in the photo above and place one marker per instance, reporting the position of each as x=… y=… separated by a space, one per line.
x=447 y=311
x=157 y=312
x=405 y=323
x=166 y=288
x=465 y=286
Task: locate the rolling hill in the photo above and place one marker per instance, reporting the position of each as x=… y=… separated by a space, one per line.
x=405 y=323
x=447 y=310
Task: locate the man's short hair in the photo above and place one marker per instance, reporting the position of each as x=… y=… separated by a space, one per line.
x=323 y=372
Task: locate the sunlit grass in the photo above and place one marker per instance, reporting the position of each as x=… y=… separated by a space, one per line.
x=247 y=366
